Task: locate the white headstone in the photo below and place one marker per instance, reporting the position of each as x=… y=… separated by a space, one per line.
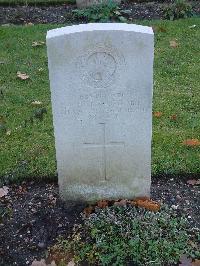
x=101 y=78
x=89 y=3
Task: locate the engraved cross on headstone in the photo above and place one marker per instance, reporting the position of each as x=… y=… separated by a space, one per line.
x=104 y=145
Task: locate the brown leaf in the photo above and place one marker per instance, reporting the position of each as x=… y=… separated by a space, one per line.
x=37 y=43
x=159 y=29
x=151 y=206
x=173 y=44
x=173 y=117
x=185 y=261
x=22 y=76
x=59 y=255
x=157 y=114
x=102 y=204
x=191 y=142
x=196 y=263
x=3 y=191
x=122 y=202
x=142 y=198
x=135 y=200
x=21 y=190
x=87 y=211
x=147 y=204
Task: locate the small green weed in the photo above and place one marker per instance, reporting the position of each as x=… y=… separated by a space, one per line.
x=131 y=236
x=102 y=13
x=178 y=9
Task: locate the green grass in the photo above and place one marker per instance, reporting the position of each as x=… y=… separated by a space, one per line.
x=30 y=152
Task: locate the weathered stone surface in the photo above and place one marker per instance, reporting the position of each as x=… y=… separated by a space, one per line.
x=88 y=3
x=101 y=88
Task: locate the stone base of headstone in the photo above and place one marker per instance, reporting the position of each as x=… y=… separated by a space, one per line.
x=89 y=3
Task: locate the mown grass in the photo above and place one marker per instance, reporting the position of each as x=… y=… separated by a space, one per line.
x=29 y=151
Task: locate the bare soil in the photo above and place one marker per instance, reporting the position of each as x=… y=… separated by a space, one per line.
x=33 y=215
x=64 y=13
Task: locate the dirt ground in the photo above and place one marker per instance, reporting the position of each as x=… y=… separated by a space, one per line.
x=64 y=13
x=34 y=216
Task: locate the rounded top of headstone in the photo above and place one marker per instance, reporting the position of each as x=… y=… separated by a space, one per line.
x=98 y=27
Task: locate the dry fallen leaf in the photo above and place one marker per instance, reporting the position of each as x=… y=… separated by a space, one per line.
x=173 y=44
x=161 y=29
x=37 y=43
x=60 y=257
x=173 y=117
x=191 y=142
x=21 y=190
x=36 y=103
x=87 y=211
x=193 y=182
x=3 y=191
x=22 y=76
x=157 y=114
x=146 y=203
x=158 y=29
x=122 y=202
x=102 y=204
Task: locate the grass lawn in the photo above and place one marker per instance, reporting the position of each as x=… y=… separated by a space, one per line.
x=27 y=149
